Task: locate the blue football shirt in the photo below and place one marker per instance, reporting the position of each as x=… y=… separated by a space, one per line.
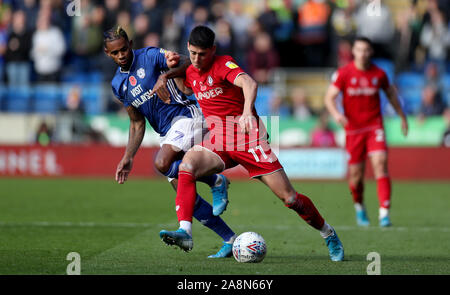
x=133 y=88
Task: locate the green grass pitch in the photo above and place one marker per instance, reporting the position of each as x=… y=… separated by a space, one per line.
x=115 y=229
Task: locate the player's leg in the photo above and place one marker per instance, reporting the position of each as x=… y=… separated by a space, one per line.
x=280 y=185
x=197 y=162
x=356 y=184
x=380 y=170
x=203 y=213
x=356 y=149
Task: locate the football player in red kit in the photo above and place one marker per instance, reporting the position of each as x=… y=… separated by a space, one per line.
x=360 y=82
x=226 y=95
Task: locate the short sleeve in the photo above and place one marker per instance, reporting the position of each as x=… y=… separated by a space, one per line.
x=156 y=55
x=337 y=79
x=384 y=81
x=228 y=69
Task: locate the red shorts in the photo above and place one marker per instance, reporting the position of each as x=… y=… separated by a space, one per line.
x=257 y=159
x=361 y=143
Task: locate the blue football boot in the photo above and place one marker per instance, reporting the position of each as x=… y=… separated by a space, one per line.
x=361 y=218
x=178 y=238
x=224 y=252
x=385 y=221
x=220 y=196
x=335 y=247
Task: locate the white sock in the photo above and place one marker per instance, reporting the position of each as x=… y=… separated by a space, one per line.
x=231 y=240
x=383 y=212
x=326 y=230
x=187 y=226
x=218 y=181
x=359 y=207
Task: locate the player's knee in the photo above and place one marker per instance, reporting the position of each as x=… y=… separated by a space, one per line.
x=162 y=165
x=186 y=165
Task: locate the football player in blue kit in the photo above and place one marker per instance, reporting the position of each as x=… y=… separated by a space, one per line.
x=141 y=77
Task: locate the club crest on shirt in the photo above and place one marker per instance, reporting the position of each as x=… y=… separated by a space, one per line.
x=210 y=81
x=374 y=81
x=141 y=73
x=231 y=65
x=132 y=80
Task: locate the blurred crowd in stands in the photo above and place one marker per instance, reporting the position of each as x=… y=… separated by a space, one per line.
x=42 y=41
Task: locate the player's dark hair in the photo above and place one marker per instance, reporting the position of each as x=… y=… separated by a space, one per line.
x=363 y=39
x=114 y=33
x=202 y=37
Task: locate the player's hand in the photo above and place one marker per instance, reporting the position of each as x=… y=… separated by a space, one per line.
x=247 y=121
x=341 y=119
x=161 y=90
x=172 y=59
x=404 y=126
x=123 y=170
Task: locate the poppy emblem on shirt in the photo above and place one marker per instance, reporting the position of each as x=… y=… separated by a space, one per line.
x=141 y=73
x=210 y=81
x=133 y=81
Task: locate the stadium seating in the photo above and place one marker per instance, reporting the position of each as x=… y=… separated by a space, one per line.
x=410 y=85
x=47 y=98
x=92 y=97
x=18 y=100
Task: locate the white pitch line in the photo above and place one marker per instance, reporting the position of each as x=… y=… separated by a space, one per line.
x=149 y=225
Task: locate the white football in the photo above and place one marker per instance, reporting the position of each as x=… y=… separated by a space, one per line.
x=249 y=247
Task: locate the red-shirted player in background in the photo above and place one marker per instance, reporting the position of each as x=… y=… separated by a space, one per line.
x=360 y=82
x=226 y=95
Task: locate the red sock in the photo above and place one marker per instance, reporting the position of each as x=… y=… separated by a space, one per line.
x=357 y=192
x=307 y=211
x=186 y=194
x=384 y=191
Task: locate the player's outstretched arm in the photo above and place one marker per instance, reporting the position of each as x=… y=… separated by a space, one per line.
x=177 y=65
x=330 y=104
x=250 y=89
x=135 y=136
x=392 y=96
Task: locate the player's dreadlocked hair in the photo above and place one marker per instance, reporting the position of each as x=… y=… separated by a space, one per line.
x=202 y=37
x=114 y=33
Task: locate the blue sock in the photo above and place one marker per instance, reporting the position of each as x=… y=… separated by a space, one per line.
x=173 y=173
x=173 y=170
x=203 y=213
x=209 y=180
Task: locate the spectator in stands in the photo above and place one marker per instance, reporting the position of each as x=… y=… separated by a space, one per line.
x=87 y=36
x=31 y=9
x=240 y=22
x=344 y=54
x=184 y=18
x=43 y=134
x=141 y=29
x=5 y=20
x=47 y=50
x=113 y=8
x=432 y=104
x=433 y=77
x=224 y=38
x=171 y=34
x=152 y=9
x=262 y=58
x=435 y=37
x=313 y=33
x=18 y=52
x=409 y=24
x=278 y=107
x=322 y=135
x=151 y=39
x=378 y=26
x=300 y=108
x=446 y=135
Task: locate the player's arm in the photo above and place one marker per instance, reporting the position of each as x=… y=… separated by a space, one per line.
x=177 y=69
x=135 y=137
x=250 y=89
x=392 y=96
x=330 y=103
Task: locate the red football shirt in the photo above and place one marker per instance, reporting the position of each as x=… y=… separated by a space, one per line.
x=219 y=99
x=361 y=99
